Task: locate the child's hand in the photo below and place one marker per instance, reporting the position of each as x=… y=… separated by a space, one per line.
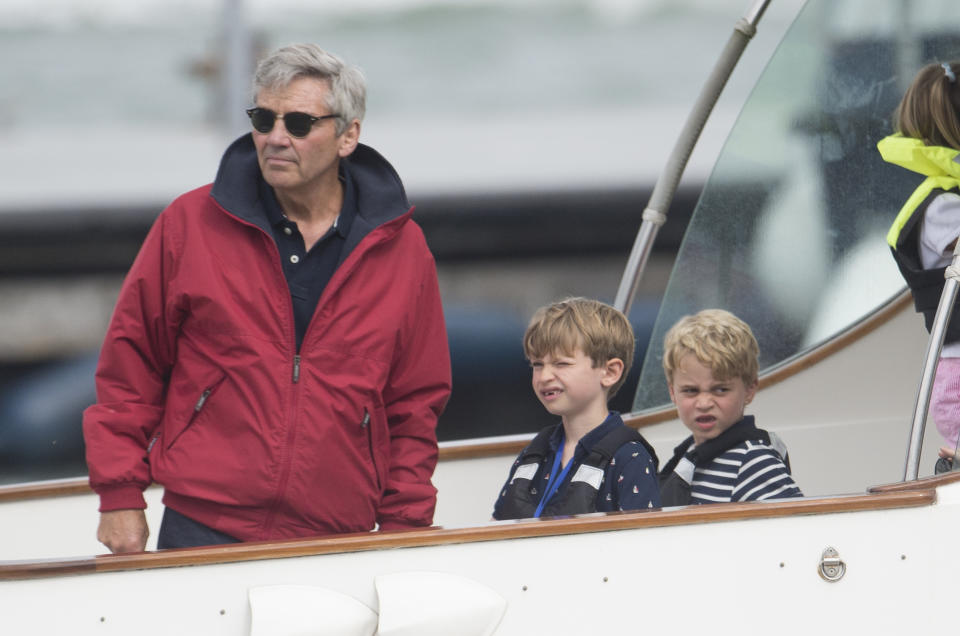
x=947 y=453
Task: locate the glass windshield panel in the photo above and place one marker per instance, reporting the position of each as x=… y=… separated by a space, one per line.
x=789 y=232
x=497 y=116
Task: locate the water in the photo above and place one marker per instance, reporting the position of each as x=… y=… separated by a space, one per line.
x=111 y=104
x=561 y=84
x=428 y=58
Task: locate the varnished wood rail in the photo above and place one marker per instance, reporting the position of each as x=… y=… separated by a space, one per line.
x=919 y=484
x=888 y=496
x=499 y=531
x=41 y=489
x=896 y=305
x=496 y=447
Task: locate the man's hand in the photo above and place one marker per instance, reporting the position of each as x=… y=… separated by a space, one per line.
x=123 y=530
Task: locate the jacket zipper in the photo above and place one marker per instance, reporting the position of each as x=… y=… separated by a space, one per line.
x=286 y=454
x=201 y=401
x=285 y=458
x=286 y=451
x=196 y=409
x=365 y=426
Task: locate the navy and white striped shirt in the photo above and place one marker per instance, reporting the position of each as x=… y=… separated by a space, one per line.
x=749 y=471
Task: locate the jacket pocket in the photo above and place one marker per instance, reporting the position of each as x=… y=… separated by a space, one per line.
x=190 y=417
x=371 y=423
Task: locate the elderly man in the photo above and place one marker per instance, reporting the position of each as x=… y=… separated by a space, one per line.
x=277 y=358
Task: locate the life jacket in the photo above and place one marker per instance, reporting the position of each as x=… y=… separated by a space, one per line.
x=677 y=474
x=926 y=285
x=940 y=166
x=580 y=495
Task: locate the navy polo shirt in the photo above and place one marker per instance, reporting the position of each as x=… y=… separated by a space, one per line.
x=308 y=273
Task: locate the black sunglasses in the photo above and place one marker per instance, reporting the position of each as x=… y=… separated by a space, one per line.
x=297 y=124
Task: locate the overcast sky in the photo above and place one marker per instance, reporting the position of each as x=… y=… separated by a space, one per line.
x=63 y=12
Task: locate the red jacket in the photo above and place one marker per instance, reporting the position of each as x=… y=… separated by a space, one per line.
x=200 y=389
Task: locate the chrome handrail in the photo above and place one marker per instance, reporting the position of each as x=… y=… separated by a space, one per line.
x=938 y=332
x=655 y=214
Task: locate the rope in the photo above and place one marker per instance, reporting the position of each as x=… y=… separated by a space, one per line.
x=745 y=27
x=654 y=216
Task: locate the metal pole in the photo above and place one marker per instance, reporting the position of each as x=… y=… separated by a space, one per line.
x=934 y=345
x=237 y=62
x=655 y=214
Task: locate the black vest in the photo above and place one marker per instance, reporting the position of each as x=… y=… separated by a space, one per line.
x=523 y=495
x=675 y=490
x=926 y=285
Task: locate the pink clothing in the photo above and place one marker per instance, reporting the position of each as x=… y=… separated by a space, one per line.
x=945 y=399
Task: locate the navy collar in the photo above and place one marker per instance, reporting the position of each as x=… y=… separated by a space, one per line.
x=741 y=431
x=341 y=225
x=588 y=441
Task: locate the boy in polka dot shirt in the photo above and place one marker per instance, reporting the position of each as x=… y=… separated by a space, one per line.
x=580 y=351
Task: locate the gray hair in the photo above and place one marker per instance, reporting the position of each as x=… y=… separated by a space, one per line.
x=348 y=88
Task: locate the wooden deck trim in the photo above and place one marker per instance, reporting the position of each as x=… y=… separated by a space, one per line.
x=43 y=489
x=483 y=449
x=801 y=363
x=31 y=569
x=512 y=447
x=919 y=484
x=885 y=314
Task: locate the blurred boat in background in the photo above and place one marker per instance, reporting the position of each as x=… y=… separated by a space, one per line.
x=788 y=233
x=528 y=134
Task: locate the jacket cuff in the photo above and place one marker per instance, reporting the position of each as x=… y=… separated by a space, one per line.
x=124 y=497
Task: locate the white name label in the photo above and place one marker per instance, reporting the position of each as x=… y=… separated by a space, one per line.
x=589 y=474
x=527 y=471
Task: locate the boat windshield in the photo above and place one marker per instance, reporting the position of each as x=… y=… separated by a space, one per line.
x=789 y=232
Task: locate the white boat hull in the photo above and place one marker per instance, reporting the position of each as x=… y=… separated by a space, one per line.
x=718 y=576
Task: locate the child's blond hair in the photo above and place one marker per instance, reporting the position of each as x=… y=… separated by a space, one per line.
x=601 y=332
x=719 y=340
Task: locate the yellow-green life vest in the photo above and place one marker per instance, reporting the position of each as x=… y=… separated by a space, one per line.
x=937 y=163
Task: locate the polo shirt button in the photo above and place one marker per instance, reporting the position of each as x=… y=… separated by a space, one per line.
x=294 y=259
x=287 y=231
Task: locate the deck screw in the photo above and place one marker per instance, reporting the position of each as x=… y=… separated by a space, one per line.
x=781 y=564
x=903 y=557
x=222 y=612
x=605 y=579
x=524 y=588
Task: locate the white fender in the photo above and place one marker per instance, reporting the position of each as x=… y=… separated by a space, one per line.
x=436 y=604
x=303 y=610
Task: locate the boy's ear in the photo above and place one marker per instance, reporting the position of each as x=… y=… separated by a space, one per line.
x=612 y=370
x=751 y=392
